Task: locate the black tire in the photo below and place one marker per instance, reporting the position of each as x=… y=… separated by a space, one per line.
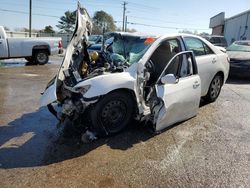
x=41 y=57
x=112 y=113
x=214 y=88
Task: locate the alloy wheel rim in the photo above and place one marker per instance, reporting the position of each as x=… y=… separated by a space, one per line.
x=215 y=87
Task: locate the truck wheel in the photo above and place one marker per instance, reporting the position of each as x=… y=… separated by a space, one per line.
x=214 y=88
x=41 y=57
x=112 y=113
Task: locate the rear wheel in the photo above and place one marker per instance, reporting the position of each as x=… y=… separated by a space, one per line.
x=112 y=113
x=41 y=57
x=214 y=88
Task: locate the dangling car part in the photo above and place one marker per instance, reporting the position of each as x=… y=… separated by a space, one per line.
x=148 y=78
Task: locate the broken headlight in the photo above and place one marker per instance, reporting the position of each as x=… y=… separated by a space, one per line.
x=72 y=77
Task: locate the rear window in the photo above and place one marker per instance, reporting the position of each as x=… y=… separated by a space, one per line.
x=223 y=40
x=215 y=40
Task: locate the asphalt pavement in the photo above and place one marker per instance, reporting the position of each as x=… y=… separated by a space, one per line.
x=209 y=150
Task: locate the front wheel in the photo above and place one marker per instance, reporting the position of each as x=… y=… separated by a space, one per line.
x=112 y=113
x=214 y=88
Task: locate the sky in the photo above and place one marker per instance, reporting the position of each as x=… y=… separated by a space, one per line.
x=155 y=17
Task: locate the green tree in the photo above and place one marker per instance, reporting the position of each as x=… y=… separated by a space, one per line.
x=6 y=28
x=204 y=33
x=102 y=19
x=67 y=22
x=48 y=29
x=186 y=31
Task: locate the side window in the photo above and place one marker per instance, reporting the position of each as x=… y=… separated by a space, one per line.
x=212 y=40
x=186 y=67
x=173 y=67
x=223 y=41
x=181 y=66
x=163 y=54
x=217 y=40
x=197 y=46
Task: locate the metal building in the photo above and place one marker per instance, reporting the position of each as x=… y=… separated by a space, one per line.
x=234 y=28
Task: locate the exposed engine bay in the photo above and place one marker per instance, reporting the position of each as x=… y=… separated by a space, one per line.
x=86 y=65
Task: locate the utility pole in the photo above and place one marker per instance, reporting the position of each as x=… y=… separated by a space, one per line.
x=124 y=11
x=126 y=22
x=30 y=18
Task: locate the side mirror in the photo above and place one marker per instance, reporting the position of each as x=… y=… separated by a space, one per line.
x=169 y=79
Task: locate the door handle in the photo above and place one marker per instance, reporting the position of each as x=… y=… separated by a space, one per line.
x=214 y=60
x=196 y=84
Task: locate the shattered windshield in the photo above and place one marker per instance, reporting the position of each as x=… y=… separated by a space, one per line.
x=129 y=49
x=94 y=38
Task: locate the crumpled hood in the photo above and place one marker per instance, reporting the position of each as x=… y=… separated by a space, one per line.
x=236 y=55
x=82 y=29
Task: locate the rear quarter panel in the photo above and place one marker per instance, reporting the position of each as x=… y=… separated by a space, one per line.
x=208 y=70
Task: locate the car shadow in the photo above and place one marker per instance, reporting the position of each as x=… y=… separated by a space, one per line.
x=33 y=140
x=238 y=80
x=28 y=63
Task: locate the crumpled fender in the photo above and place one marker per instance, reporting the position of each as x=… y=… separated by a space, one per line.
x=103 y=84
x=49 y=95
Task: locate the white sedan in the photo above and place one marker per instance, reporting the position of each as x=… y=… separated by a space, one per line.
x=159 y=80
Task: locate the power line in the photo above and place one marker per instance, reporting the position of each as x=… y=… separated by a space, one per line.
x=85 y=3
x=22 y=12
x=163 y=21
x=164 y=27
x=142 y=6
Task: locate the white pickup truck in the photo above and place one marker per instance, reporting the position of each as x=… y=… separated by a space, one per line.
x=34 y=50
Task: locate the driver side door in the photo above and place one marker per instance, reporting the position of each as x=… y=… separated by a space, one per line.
x=180 y=96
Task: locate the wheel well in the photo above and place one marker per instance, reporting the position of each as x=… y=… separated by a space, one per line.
x=222 y=75
x=130 y=93
x=40 y=48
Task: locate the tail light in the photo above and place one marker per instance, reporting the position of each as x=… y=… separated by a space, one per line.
x=60 y=44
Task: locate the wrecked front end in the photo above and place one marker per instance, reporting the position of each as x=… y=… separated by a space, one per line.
x=85 y=78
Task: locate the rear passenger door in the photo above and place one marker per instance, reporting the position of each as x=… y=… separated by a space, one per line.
x=206 y=60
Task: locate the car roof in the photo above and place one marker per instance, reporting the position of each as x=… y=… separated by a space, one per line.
x=138 y=34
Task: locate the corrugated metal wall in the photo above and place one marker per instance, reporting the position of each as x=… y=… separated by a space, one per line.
x=237 y=28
